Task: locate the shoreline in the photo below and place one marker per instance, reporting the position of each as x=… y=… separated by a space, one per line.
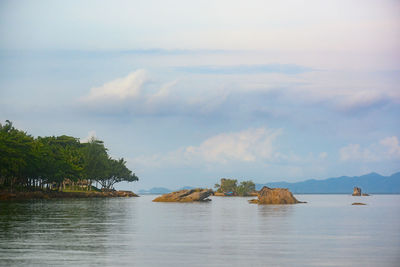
x=10 y=196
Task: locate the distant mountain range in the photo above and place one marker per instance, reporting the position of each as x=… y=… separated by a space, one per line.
x=160 y=190
x=373 y=183
x=155 y=190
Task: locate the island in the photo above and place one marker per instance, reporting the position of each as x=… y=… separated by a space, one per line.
x=229 y=187
x=57 y=167
x=357 y=192
x=275 y=196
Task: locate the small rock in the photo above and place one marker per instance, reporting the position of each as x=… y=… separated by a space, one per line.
x=357 y=191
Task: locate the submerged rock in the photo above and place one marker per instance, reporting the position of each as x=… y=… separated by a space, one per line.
x=187 y=195
x=275 y=196
x=357 y=191
x=358 y=203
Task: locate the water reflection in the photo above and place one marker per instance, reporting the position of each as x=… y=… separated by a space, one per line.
x=275 y=210
x=74 y=228
x=274 y=218
x=224 y=232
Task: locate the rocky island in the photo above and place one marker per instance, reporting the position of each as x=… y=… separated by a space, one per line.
x=275 y=196
x=229 y=187
x=357 y=192
x=187 y=195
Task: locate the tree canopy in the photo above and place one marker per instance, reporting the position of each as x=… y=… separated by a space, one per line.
x=230 y=185
x=28 y=162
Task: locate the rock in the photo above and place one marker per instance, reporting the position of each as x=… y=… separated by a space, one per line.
x=187 y=195
x=357 y=191
x=275 y=196
x=358 y=203
x=253 y=201
x=365 y=195
x=122 y=193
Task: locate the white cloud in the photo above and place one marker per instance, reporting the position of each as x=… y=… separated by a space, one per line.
x=135 y=93
x=323 y=155
x=271 y=25
x=244 y=152
x=392 y=146
x=251 y=145
x=91 y=134
x=342 y=90
x=353 y=152
x=138 y=93
x=119 y=89
x=386 y=149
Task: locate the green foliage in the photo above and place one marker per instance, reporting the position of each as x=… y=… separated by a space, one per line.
x=116 y=172
x=60 y=158
x=230 y=185
x=226 y=185
x=245 y=188
x=16 y=154
x=50 y=161
x=95 y=160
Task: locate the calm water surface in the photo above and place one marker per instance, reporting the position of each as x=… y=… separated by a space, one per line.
x=327 y=231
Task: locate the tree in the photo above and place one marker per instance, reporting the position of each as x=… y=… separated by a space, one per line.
x=16 y=155
x=95 y=161
x=30 y=163
x=61 y=158
x=116 y=172
x=245 y=188
x=98 y=166
x=230 y=185
x=227 y=185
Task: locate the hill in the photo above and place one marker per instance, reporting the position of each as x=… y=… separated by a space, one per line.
x=161 y=190
x=370 y=183
x=155 y=191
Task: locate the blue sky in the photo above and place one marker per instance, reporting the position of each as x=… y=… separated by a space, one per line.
x=192 y=91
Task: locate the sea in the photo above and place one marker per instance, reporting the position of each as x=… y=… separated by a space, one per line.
x=227 y=231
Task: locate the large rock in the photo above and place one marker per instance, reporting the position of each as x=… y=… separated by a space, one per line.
x=275 y=196
x=357 y=191
x=187 y=195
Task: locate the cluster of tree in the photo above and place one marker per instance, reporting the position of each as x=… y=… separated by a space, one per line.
x=245 y=188
x=48 y=162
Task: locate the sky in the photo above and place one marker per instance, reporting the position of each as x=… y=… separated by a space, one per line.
x=189 y=92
